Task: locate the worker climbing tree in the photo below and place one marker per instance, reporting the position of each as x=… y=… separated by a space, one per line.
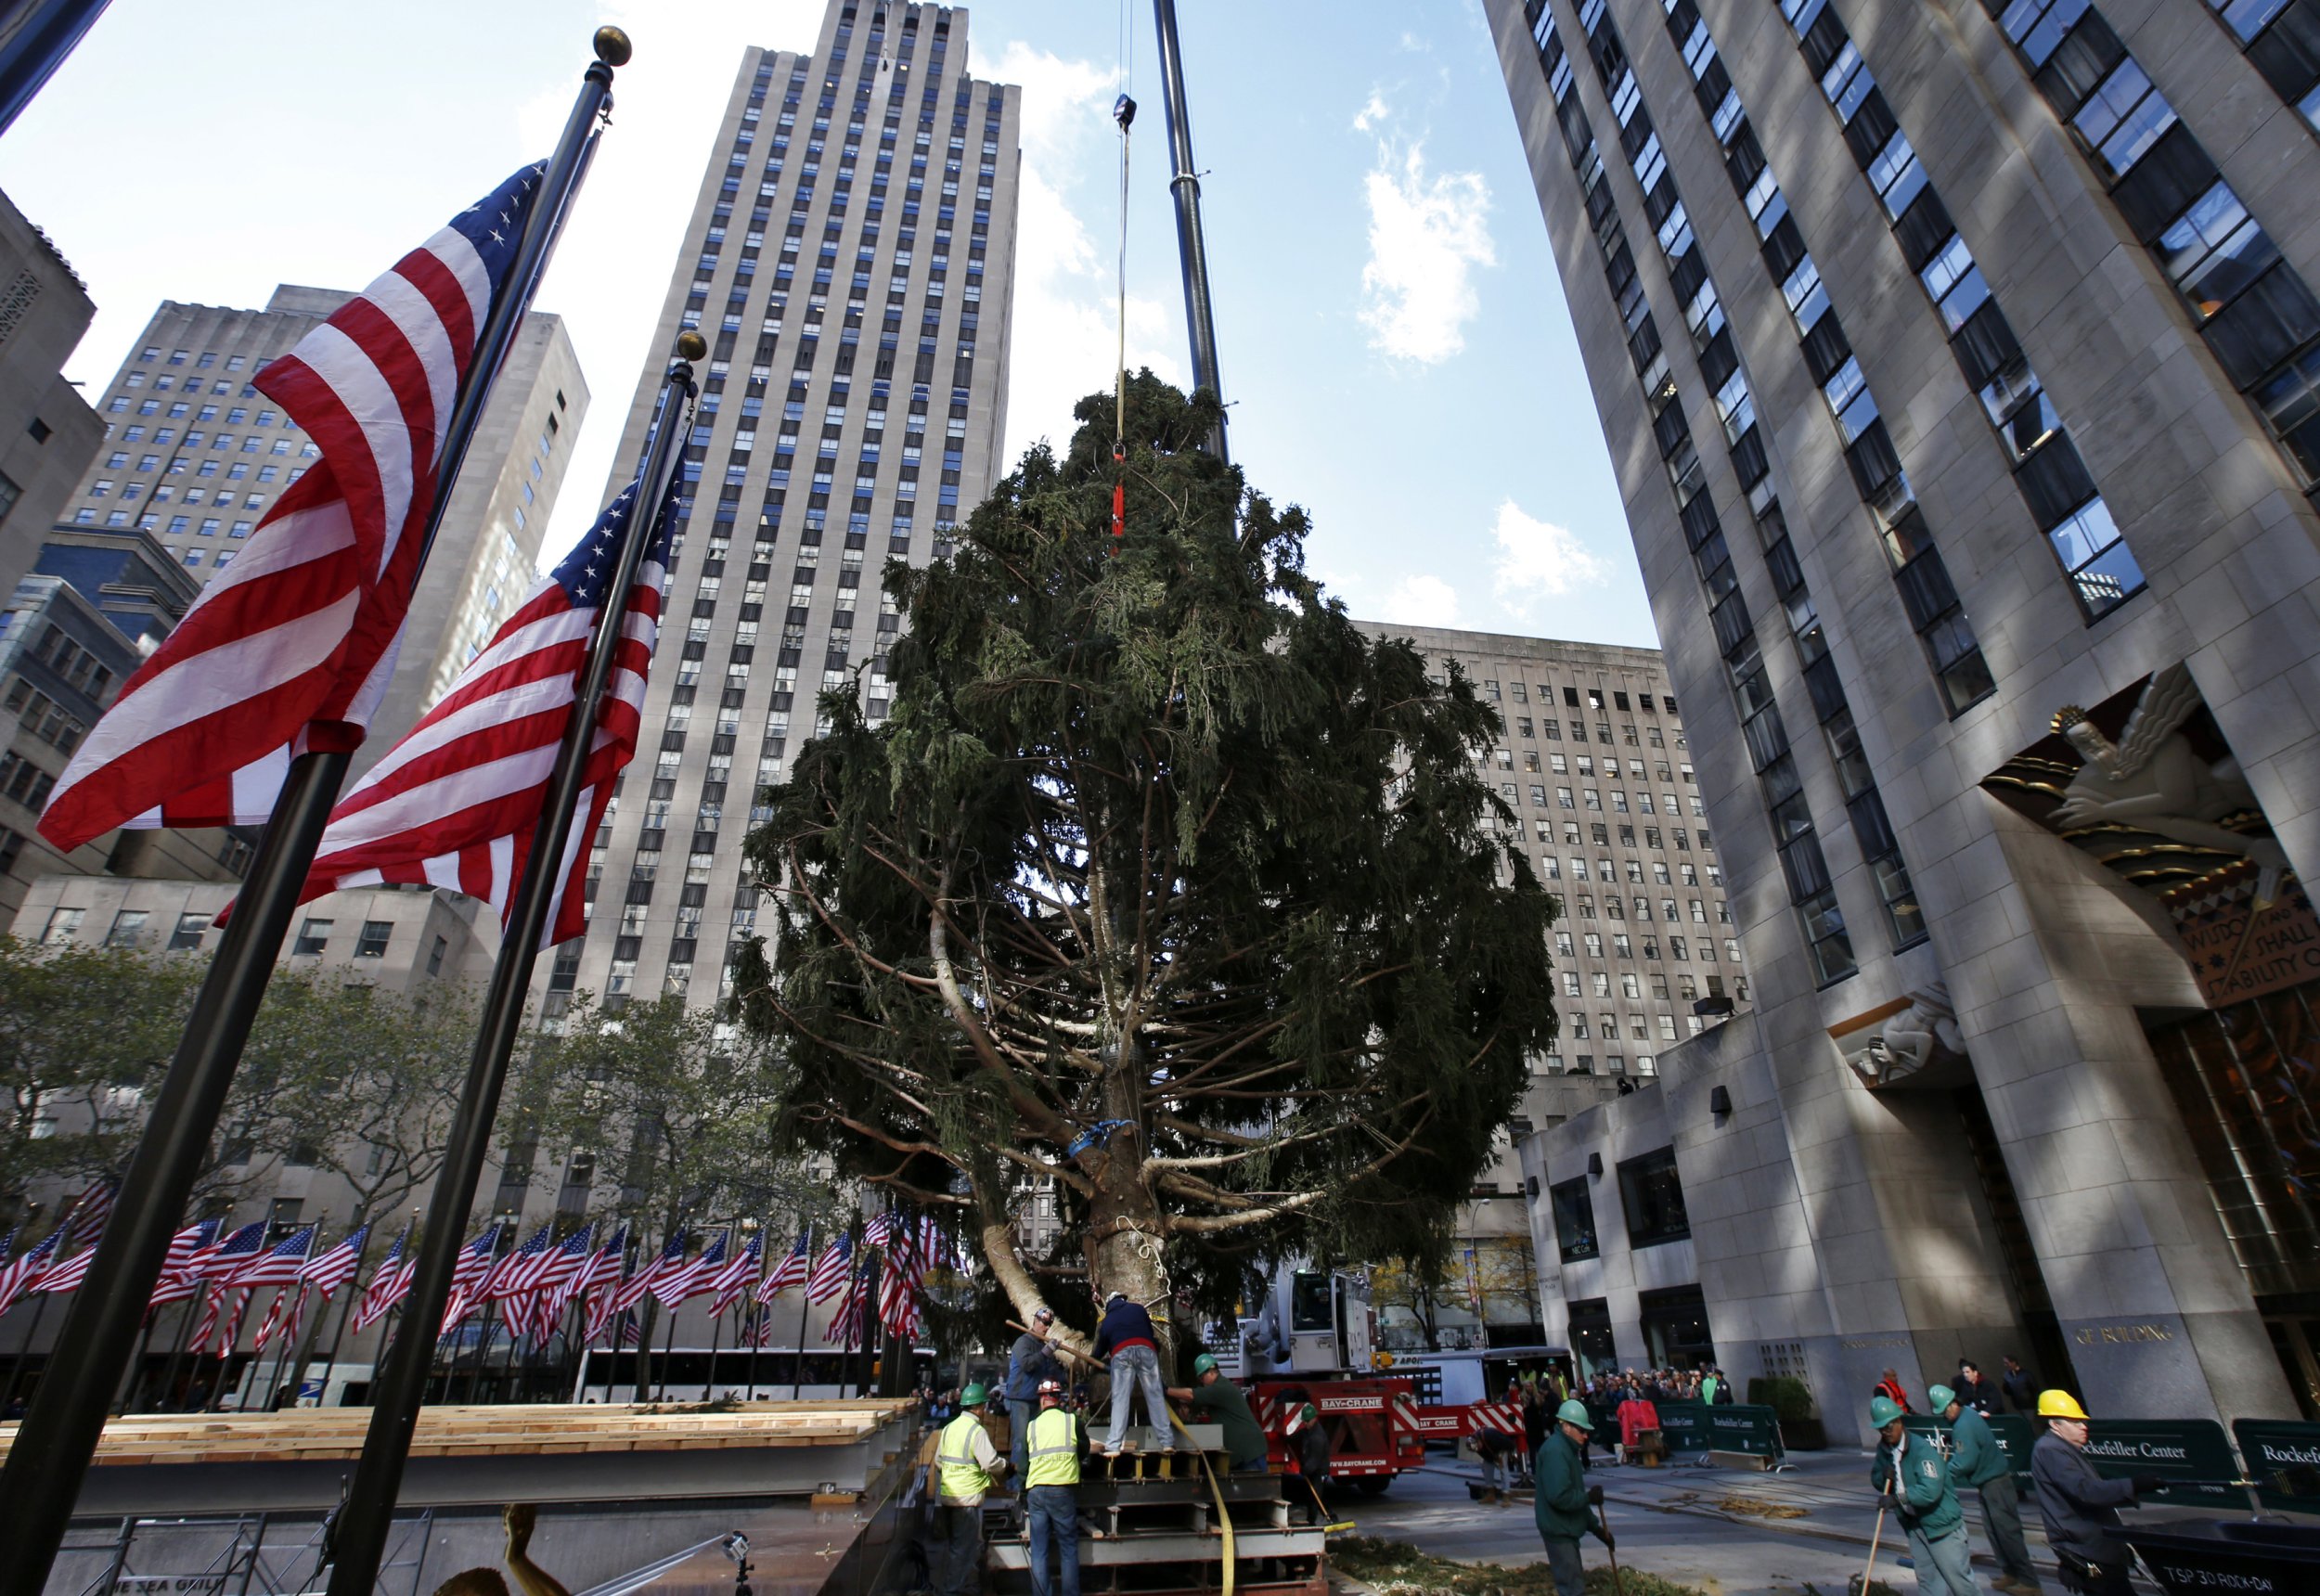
x=1162 y=879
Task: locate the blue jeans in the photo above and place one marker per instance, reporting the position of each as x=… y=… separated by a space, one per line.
x=1054 y=1511
x=1132 y=1367
x=1019 y=1416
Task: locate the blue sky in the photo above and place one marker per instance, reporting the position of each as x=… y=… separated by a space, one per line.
x=1391 y=332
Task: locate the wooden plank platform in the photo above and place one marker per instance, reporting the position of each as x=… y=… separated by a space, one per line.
x=326 y=1434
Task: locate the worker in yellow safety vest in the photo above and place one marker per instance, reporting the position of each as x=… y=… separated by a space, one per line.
x=967 y=1465
x=1057 y=1442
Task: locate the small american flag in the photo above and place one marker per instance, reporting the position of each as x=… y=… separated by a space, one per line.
x=506 y=1283
x=672 y=1257
x=218 y=1263
x=554 y=1279
x=688 y=1280
x=283 y=1317
x=730 y=1281
x=84 y=1221
x=845 y=1325
x=879 y=1230
x=790 y=1270
x=177 y=1280
x=474 y=1267
x=337 y=1266
x=389 y=1284
x=294 y=647
x=599 y=1283
x=457 y=803
x=24 y=1274
x=829 y=1273
x=279 y=1266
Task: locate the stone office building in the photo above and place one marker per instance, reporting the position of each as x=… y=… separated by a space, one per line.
x=850 y=257
x=1959 y=364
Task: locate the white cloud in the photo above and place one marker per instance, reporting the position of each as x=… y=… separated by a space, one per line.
x=1428 y=233
x=1539 y=560
x=1421 y=601
x=1372 y=114
x=1064 y=324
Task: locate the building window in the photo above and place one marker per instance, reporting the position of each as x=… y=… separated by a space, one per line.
x=372 y=943
x=1653 y=1196
x=313 y=938
x=63 y=925
x=128 y=926
x=434 y=956
x=1573 y=1219
x=191 y=927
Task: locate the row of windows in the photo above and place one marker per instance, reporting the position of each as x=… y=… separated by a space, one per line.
x=79 y=667
x=2258 y=316
x=2282 y=39
x=44 y=717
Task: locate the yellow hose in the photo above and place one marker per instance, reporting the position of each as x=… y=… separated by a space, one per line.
x=1224 y=1515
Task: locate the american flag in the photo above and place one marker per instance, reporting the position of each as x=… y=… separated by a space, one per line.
x=84 y=1221
x=283 y=1317
x=551 y=1281
x=219 y=1262
x=688 y=1280
x=179 y=1279
x=230 y=1331
x=734 y=1280
x=212 y=1258
x=389 y=1283
x=790 y=1270
x=829 y=1274
x=881 y=1228
x=457 y=803
x=470 y=1271
x=279 y=1266
x=505 y=1285
x=337 y=1266
x=599 y=1283
x=672 y=1257
x=293 y=646
x=845 y=1325
x=24 y=1274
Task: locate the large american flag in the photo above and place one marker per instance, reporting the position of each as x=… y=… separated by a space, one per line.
x=828 y=1276
x=457 y=803
x=790 y=1270
x=179 y=1278
x=279 y=1266
x=293 y=647
x=389 y=1283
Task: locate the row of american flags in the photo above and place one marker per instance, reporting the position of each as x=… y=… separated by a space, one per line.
x=530 y=1290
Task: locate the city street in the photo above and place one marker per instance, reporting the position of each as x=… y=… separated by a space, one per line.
x=1667 y=1523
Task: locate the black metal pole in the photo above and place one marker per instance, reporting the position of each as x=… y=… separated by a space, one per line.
x=35 y=37
x=24 y=1353
x=1191 y=247
x=362 y=1534
x=42 y=1478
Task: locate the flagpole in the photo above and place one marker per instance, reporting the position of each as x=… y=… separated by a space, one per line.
x=24 y=1353
x=40 y=1480
x=361 y=1538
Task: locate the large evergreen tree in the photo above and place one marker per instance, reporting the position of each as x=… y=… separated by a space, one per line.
x=1160 y=879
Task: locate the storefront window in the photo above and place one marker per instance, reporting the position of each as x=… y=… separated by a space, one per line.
x=1654 y=1199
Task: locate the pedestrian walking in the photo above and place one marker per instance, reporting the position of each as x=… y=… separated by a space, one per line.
x=1973 y=1390
x=2017 y=1383
x=1058 y=1441
x=1215 y=1401
x=1976 y=1460
x=1030 y=1361
x=1126 y=1339
x=2080 y=1507
x=968 y=1466
x=1917 y=1477
x=1561 y=1506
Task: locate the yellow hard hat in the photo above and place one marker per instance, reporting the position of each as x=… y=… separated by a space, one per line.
x=2059 y=1405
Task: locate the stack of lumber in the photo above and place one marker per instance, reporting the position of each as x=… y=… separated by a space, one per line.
x=324 y=1434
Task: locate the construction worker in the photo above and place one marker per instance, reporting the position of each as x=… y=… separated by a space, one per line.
x=2080 y=1507
x=968 y=1466
x=1058 y=1441
x=1126 y=1341
x=1976 y=1460
x=1215 y=1401
x=1308 y=1445
x=1563 y=1499
x=1917 y=1476
x=1029 y=1363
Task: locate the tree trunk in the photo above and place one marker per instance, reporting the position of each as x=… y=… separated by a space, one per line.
x=1124 y=1236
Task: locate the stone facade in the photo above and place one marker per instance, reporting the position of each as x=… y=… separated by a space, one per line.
x=48 y=432
x=2050 y=1187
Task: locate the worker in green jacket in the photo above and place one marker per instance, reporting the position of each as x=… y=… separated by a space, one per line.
x=1915 y=1475
x=1563 y=1498
x=1976 y=1460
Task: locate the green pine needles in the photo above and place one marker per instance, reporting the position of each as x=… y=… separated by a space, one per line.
x=1161 y=881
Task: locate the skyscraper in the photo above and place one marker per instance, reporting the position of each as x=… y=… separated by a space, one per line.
x=194 y=455
x=1962 y=376
x=856 y=216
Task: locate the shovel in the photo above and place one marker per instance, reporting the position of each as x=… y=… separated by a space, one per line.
x=1859 y=1584
x=1603 y=1521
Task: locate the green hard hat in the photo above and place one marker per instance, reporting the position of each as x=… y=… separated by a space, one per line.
x=1940 y=1397
x=1203 y=1364
x=1883 y=1410
x=973 y=1396
x=1574 y=1413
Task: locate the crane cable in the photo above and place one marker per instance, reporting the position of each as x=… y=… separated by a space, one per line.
x=1123 y=113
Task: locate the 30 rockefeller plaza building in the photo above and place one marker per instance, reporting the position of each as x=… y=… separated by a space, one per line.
x=855 y=217
x=1961 y=368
